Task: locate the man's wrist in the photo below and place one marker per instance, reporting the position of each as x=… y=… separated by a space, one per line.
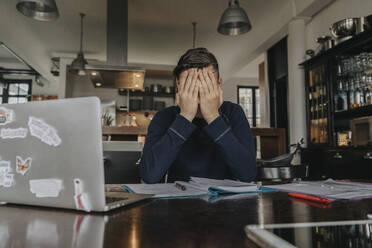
x=187 y=117
x=211 y=118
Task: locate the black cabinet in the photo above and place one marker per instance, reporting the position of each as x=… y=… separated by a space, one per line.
x=338 y=163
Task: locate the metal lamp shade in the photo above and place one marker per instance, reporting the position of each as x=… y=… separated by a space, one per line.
x=78 y=64
x=234 y=20
x=41 y=10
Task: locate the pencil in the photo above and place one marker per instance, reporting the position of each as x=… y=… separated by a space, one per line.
x=180 y=186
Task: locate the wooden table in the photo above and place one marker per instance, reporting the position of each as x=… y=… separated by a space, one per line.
x=165 y=223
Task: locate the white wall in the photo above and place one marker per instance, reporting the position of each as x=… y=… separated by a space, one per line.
x=230 y=87
x=338 y=10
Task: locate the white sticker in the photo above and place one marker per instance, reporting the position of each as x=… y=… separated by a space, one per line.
x=23 y=165
x=46 y=187
x=81 y=198
x=6 y=178
x=6 y=116
x=12 y=133
x=43 y=131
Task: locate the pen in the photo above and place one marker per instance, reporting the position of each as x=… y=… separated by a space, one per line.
x=180 y=186
x=311 y=203
x=310 y=198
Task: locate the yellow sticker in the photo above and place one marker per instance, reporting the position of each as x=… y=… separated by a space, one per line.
x=6 y=116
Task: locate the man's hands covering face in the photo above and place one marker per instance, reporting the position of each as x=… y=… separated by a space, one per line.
x=201 y=83
x=210 y=95
x=187 y=96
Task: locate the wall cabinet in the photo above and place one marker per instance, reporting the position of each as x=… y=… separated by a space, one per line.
x=338 y=88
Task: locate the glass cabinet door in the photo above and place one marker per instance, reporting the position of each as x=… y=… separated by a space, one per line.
x=318 y=105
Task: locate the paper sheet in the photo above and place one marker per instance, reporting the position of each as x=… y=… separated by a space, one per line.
x=224 y=185
x=329 y=189
x=163 y=190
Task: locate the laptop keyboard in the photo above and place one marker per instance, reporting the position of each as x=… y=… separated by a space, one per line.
x=115 y=199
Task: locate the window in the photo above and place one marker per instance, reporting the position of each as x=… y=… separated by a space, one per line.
x=249 y=99
x=15 y=91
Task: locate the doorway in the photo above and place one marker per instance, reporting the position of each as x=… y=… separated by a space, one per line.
x=278 y=85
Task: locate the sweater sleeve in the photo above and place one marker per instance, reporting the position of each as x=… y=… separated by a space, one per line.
x=163 y=143
x=235 y=141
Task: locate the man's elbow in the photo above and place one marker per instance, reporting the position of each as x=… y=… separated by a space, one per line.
x=150 y=180
x=148 y=176
x=250 y=172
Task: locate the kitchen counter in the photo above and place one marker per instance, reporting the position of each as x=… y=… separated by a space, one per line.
x=123 y=130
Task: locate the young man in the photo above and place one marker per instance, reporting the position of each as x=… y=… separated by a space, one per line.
x=202 y=136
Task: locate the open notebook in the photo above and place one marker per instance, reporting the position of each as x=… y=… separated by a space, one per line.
x=196 y=187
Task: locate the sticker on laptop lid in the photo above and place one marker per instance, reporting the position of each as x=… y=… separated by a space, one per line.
x=6 y=178
x=23 y=165
x=12 y=133
x=81 y=198
x=46 y=187
x=6 y=116
x=43 y=131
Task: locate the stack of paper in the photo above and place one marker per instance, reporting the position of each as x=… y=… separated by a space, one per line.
x=196 y=187
x=329 y=189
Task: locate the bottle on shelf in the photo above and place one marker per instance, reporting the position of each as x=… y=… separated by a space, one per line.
x=351 y=95
x=340 y=97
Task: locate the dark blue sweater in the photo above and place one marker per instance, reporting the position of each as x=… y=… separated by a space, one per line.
x=222 y=150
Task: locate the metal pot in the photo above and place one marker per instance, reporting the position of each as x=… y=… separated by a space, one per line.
x=326 y=42
x=347 y=28
x=282 y=172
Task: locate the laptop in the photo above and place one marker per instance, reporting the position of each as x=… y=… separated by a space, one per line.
x=51 y=155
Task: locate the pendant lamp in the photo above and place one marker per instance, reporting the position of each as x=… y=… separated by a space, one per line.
x=78 y=65
x=41 y=10
x=234 y=20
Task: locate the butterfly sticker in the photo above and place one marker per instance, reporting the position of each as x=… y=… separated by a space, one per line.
x=23 y=165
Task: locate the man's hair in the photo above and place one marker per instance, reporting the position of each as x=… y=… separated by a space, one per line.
x=195 y=58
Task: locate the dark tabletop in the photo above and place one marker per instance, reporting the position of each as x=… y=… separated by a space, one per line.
x=166 y=222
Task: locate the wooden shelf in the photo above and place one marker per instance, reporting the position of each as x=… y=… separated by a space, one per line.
x=354 y=113
x=116 y=130
x=141 y=93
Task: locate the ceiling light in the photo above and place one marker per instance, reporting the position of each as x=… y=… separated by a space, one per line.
x=79 y=63
x=94 y=73
x=136 y=85
x=234 y=20
x=138 y=75
x=41 y=10
x=98 y=84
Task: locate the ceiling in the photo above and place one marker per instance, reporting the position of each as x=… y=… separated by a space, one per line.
x=160 y=31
